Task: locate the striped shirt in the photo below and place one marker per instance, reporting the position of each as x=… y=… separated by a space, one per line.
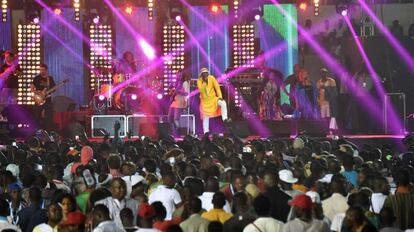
x=402 y=205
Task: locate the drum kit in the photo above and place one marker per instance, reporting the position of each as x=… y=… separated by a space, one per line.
x=121 y=88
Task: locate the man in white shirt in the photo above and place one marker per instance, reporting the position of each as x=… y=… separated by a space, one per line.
x=54 y=215
x=264 y=223
x=337 y=203
x=118 y=201
x=380 y=186
x=102 y=222
x=207 y=196
x=166 y=194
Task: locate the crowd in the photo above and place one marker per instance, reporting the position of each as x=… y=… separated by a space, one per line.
x=209 y=184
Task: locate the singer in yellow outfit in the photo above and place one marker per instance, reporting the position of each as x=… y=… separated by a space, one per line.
x=211 y=100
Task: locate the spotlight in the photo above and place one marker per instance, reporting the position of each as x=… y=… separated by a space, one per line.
x=57 y=11
x=342 y=7
x=95 y=20
x=178 y=18
x=303 y=6
x=257 y=17
x=214 y=8
x=129 y=10
x=134 y=97
x=36 y=20
x=101 y=97
x=342 y=10
x=159 y=96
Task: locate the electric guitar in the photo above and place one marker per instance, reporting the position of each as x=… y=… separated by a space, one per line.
x=39 y=96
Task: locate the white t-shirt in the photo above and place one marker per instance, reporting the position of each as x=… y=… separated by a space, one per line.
x=207 y=204
x=169 y=197
x=337 y=221
x=265 y=224
x=44 y=227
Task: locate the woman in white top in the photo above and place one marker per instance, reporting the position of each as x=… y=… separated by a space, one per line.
x=179 y=98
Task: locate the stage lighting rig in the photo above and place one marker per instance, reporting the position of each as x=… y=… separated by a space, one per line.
x=243 y=45
x=28 y=46
x=174 y=55
x=150 y=9
x=100 y=53
x=316 y=7
x=236 y=8
x=76 y=7
x=4 y=7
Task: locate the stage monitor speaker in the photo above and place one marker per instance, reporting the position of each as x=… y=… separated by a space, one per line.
x=74 y=130
x=240 y=128
x=314 y=128
x=280 y=128
x=155 y=130
x=104 y=124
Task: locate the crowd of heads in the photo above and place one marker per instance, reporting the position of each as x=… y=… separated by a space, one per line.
x=161 y=183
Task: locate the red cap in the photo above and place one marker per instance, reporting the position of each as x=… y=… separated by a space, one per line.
x=146 y=210
x=74 y=218
x=302 y=201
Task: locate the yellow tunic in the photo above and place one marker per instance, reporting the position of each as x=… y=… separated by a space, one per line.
x=209 y=94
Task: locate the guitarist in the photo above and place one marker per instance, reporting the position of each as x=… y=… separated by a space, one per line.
x=44 y=82
x=9 y=74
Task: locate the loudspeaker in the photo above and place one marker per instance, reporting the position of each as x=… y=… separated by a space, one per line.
x=314 y=128
x=104 y=124
x=73 y=130
x=240 y=129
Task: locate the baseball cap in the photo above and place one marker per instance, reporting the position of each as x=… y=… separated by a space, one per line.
x=286 y=176
x=302 y=201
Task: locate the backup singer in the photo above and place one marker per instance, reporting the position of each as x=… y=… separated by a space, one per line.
x=180 y=99
x=211 y=100
x=305 y=96
x=327 y=99
x=43 y=82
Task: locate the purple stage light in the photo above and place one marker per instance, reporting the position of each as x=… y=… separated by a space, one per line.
x=134 y=97
x=257 y=17
x=101 y=97
x=178 y=18
x=344 y=12
x=96 y=20
x=36 y=20
x=148 y=49
x=159 y=96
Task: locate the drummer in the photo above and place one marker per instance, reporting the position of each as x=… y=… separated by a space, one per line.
x=127 y=65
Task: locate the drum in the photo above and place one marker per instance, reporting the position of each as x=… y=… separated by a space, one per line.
x=118 y=78
x=105 y=89
x=131 y=94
